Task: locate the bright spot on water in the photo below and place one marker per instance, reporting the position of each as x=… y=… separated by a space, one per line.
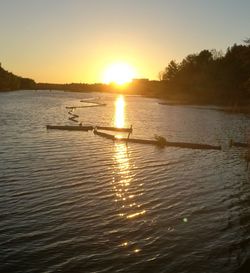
x=119 y=112
x=136 y=214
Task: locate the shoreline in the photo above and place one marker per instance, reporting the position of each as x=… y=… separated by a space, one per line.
x=240 y=108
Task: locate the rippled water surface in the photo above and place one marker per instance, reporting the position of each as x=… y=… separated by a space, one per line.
x=76 y=202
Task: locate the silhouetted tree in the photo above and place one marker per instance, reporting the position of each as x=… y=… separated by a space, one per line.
x=9 y=81
x=211 y=76
x=170 y=71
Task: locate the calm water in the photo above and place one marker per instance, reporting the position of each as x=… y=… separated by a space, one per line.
x=75 y=202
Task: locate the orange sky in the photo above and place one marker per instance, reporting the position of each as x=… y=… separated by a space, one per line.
x=75 y=41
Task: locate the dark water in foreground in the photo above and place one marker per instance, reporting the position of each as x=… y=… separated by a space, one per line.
x=75 y=202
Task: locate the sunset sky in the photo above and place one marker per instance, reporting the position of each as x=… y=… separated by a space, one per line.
x=76 y=40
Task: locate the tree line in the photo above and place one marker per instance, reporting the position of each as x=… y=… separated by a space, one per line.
x=9 y=81
x=210 y=76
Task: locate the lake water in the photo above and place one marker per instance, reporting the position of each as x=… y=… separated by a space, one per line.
x=76 y=202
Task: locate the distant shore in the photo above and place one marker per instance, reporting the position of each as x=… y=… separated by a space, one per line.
x=239 y=107
x=245 y=109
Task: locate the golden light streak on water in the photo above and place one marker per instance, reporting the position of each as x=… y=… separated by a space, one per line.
x=125 y=196
x=119 y=112
x=123 y=177
x=136 y=214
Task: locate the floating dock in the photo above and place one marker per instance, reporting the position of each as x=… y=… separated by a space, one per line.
x=239 y=144
x=87 y=127
x=155 y=142
x=70 y=128
x=105 y=135
x=115 y=129
x=73 y=115
x=73 y=119
x=158 y=143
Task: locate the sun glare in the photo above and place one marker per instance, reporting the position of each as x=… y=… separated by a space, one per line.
x=119 y=73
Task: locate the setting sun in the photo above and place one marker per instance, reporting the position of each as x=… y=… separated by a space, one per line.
x=119 y=73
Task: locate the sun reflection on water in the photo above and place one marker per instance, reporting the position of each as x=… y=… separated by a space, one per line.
x=127 y=191
x=125 y=195
x=123 y=175
x=119 y=112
